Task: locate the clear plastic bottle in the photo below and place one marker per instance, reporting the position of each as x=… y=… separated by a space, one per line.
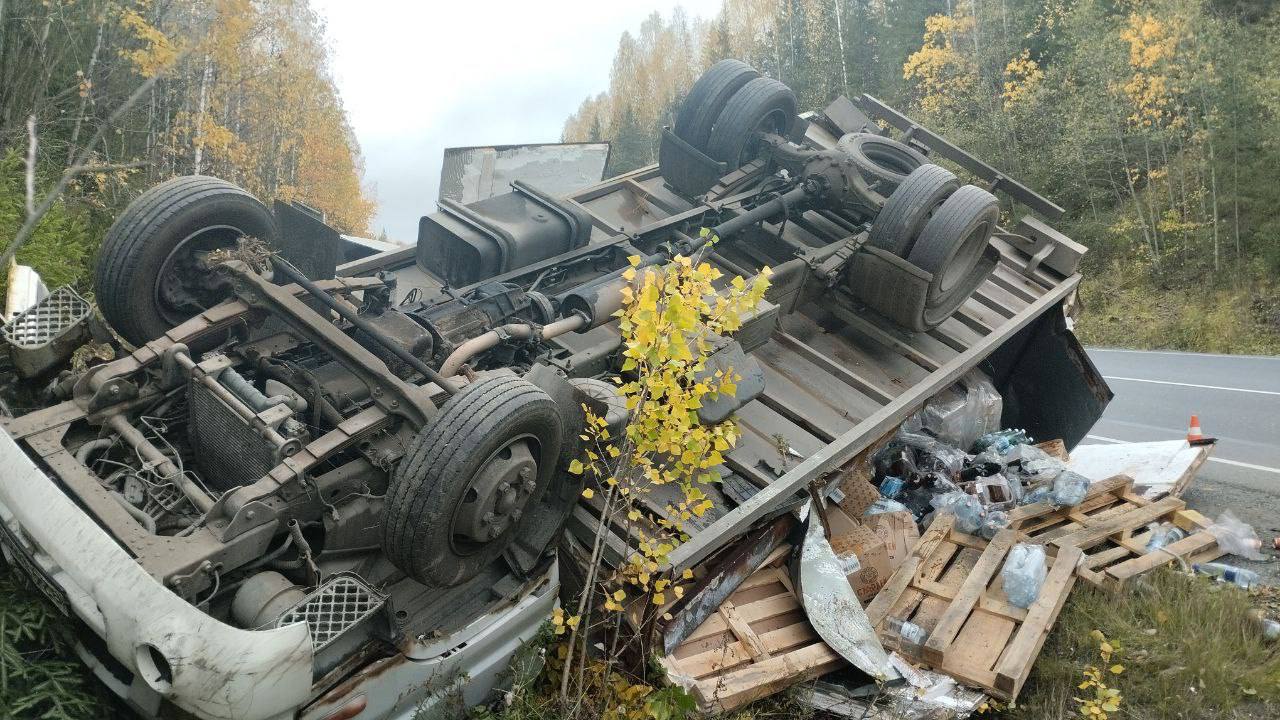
x=1024 y=573
x=1070 y=489
x=911 y=637
x=1270 y=628
x=1166 y=533
x=1243 y=577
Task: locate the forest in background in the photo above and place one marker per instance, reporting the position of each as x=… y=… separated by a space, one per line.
x=114 y=96
x=1153 y=122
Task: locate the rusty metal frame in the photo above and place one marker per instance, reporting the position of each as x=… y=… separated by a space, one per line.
x=43 y=431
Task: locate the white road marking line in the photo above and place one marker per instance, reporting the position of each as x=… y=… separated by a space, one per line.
x=1192 y=385
x=1175 y=352
x=1237 y=463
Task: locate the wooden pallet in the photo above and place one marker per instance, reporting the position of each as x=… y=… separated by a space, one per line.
x=757 y=643
x=1110 y=527
x=951 y=587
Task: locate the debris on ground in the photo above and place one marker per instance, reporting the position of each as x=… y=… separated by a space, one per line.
x=963 y=540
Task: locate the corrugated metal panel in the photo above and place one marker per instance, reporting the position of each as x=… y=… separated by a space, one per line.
x=475 y=173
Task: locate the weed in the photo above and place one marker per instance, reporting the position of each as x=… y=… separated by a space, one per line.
x=1191 y=651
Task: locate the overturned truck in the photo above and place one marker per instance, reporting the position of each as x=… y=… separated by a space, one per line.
x=302 y=489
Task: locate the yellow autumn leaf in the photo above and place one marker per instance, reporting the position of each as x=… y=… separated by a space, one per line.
x=588 y=493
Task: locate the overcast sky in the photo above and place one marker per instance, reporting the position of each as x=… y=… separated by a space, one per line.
x=417 y=77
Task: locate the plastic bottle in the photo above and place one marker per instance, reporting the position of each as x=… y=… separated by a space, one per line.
x=1041 y=494
x=911 y=636
x=967 y=509
x=1243 y=577
x=1002 y=440
x=1270 y=628
x=1023 y=574
x=1166 y=533
x=994 y=522
x=1070 y=488
x=891 y=486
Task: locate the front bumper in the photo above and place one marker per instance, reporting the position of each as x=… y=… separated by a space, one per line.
x=201 y=665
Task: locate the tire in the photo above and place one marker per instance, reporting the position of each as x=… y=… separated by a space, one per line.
x=952 y=242
x=616 y=412
x=707 y=98
x=909 y=208
x=762 y=105
x=881 y=160
x=429 y=489
x=157 y=231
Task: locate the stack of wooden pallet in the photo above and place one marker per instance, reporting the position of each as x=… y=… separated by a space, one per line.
x=760 y=640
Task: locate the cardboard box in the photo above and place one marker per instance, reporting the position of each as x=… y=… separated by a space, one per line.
x=898 y=532
x=859 y=494
x=853 y=537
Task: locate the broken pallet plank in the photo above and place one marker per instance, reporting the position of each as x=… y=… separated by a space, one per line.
x=757 y=642
x=1115 y=550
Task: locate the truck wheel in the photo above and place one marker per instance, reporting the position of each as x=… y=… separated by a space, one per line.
x=881 y=160
x=707 y=98
x=907 y=210
x=952 y=242
x=456 y=499
x=149 y=276
x=762 y=105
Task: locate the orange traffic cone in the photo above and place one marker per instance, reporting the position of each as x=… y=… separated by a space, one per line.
x=1194 y=433
x=1195 y=436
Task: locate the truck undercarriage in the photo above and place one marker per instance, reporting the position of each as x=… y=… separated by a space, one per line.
x=303 y=482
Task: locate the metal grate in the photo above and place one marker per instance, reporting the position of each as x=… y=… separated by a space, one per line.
x=340 y=603
x=227 y=451
x=45 y=321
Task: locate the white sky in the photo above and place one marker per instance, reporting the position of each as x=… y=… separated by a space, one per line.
x=417 y=77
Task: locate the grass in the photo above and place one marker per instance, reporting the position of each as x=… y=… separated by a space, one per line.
x=1187 y=306
x=1188 y=646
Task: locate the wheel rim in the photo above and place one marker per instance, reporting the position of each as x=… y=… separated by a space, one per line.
x=964 y=257
x=774 y=121
x=495 y=499
x=889 y=158
x=184 y=286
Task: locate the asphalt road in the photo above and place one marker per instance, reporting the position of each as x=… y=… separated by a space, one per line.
x=1238 y=400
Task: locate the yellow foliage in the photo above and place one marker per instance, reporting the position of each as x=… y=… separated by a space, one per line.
x=1023 y=77
x=669 y=316
x=261 y=109
x=155 y=51
x=942 y=74
x=1105 y=699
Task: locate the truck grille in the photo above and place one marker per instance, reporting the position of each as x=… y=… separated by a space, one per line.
x=341 y=603
x=48 y=319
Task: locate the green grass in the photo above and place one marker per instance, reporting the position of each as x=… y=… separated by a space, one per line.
x=1237 y=320
x=1188 y=648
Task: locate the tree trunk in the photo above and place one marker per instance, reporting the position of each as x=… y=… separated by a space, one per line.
x=201 y=106
x=844 y=70
x=84 y=98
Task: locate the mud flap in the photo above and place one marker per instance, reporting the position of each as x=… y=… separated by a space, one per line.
x=1049 y=385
